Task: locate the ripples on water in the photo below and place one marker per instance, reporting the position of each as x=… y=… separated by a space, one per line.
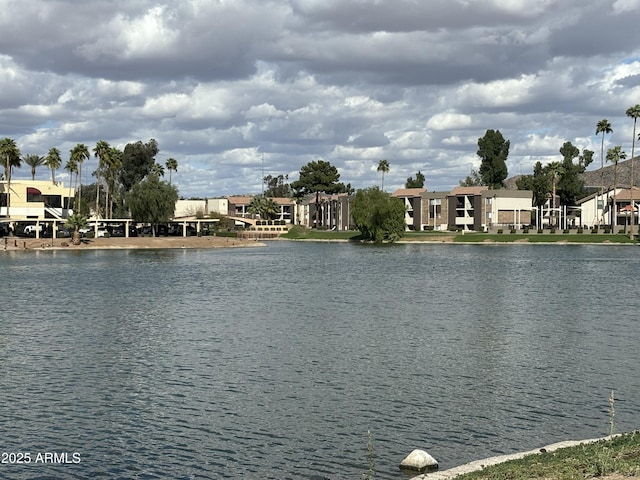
x=275 y=362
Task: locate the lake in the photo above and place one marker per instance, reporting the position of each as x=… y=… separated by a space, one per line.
x=276 y=362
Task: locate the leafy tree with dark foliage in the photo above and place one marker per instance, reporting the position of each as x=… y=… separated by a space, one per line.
x=152 y=201
x=318 y=176
x=472 y=180
x=418 y=182
x=137 y=161
x=493 y=149
x=539 y=183
x=378 y=215
x=570 y=187
x=277 y=186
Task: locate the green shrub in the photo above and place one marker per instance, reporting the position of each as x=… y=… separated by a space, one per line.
x=540 y=230
x=607 y=230
x=513 y=230
x=580 y=230
x=552 y=230
x=566 y=230
x=90 y=234
x=500 y=231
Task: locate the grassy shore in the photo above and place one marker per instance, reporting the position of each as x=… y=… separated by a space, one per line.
x=298 y=233
x=614 y=458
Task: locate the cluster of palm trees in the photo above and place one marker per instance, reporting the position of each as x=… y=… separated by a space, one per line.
x=615 y=154
x=109 y=163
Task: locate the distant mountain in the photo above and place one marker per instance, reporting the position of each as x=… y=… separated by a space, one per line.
x=592 y=178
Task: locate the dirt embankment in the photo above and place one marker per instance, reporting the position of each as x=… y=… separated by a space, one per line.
x=18 y=243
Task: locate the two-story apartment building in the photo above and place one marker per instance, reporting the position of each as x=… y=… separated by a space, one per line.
x=413 y=204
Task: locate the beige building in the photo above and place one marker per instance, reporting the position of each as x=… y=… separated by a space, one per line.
x=36 y=200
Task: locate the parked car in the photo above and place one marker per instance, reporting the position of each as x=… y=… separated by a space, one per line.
x=30 y=230
x=162 y=230
x=64 y=233
x=116 y=231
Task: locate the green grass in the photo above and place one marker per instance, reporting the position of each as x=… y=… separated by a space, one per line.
x=543 y=238
x=620 y=455
x=301 y=233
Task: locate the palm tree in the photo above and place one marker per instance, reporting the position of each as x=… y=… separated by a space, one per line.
x=113 y=163
x=172 y=165
x=76 y=221
x=614 y=155
x=633 y=112
x=265 y=207
x=53 y=160
x=101 y=152
x=9 y=158
x=604 y=127
x=555 y=171
x=33 y=161
x=79 y=154
x=383 y=166
x=72 y=167
x=157 y=170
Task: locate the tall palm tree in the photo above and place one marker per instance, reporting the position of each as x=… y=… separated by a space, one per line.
x=555 y=171
x=383 y=166
x=72 y=167
x=33 y=161
x=604 y=127
x=9 y=158
x=101 y=152
x=112 y=166
x=172 y=165
x=614 y=155
x=53 y=160
x=79 y=154
x=633 y=112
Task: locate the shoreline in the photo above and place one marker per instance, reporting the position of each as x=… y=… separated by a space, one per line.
x=12 y=243
x=121 y=243
x=478 y=465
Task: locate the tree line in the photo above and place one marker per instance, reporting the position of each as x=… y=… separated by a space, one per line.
x=127 y=181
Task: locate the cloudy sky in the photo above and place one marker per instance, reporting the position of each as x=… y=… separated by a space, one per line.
x=234 y=88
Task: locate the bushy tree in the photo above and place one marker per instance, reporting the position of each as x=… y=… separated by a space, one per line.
x=377 y=215
x=570 y=186
x=539 y=183
x=418 y=182
x=493 y=149
x=472 y=180
x=137 y=161
x=152 y=201
x=316 y=177
x=277 y=186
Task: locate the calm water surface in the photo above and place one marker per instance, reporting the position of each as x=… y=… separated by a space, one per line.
x=274 y=362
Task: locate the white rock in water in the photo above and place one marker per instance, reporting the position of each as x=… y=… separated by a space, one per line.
x=419 y=460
